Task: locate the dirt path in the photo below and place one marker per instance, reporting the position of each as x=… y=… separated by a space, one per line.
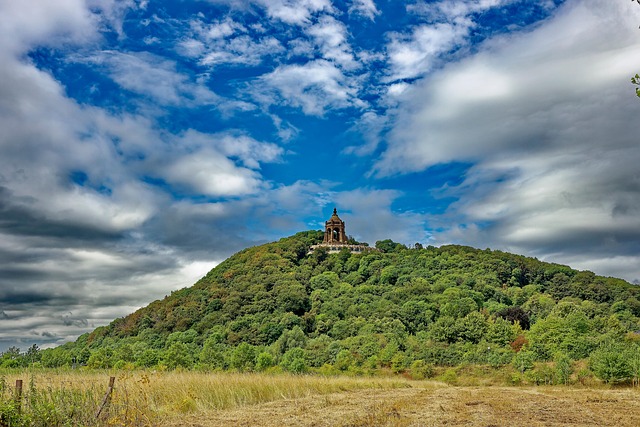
x=438 y=405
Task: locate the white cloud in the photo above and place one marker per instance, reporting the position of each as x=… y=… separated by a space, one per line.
x=449 y=10
x=314 y=87
x=297 y=12
x=548 y=119
x=227 y=42
x=241 y=50
x=414 y=55
x=449 y=23
x=204 y=164
x=29 y=22
x=152 y=76
x=208 y=172
x=366 y=8
x=371 y=126
x=331 y=37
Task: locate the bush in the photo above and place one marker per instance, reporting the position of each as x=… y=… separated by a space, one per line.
x=449 y=376
x=421 y=370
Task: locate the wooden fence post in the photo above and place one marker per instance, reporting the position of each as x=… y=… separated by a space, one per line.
x=107 y=396
x=18 y=396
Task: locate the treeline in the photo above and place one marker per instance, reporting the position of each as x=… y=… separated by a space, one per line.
x=411 y=310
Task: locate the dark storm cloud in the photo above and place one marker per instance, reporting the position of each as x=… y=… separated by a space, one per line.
x=21 y=219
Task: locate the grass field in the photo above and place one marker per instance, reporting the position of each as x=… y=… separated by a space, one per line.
x=72 y=398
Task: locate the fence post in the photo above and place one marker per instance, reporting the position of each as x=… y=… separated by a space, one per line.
x=107 y=396
x=18 y=396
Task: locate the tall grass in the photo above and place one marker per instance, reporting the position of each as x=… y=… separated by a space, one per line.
x=72 y=398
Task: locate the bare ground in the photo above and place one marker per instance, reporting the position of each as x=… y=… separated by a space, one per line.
x=436 y=404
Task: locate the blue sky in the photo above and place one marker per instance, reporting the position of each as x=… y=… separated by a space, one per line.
x=145 y=141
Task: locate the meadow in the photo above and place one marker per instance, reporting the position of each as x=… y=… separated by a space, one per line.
x=146 y=398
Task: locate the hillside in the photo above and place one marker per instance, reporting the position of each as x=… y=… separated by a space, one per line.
x=399 y=309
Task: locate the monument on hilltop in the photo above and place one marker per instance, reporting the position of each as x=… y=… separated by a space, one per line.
x=334 y=230
x=335 y=237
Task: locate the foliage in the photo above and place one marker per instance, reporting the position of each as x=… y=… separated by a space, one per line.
x=609 y=363
x=276 y=306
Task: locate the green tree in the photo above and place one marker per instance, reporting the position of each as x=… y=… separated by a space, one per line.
x=212 y=353
x=344 y=360
x=264 y=360
x=178 y=354
x=563 y=367
x=243 y=357
x=294 y=361
x=472 y=327
x=148 y=358
x=99 y=359
x=609 y=364
x=389 y=245
x=632 y=355
x=523 y=361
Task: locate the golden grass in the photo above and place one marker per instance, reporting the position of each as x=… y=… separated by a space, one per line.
x=147 y=398
x=250 y=399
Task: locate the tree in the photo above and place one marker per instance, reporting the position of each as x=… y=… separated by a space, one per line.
x=563 y=367
x=609 y=364
x=294 y=361
x=264 y=360
x=632 y=354
x=389 y=245
x=243 y=357
x=178 y=354
x=523 y=361
x=472 y=327
x=515 y=314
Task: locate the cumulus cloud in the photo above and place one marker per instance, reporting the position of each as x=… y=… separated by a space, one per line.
x=314 y=87
x=450 y=10
x=296 y=12
x=26 y=23
x=547 y=120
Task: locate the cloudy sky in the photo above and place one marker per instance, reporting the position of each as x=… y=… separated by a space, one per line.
x=144 y=141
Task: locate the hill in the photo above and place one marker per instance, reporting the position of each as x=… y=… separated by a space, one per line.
x=403 y=309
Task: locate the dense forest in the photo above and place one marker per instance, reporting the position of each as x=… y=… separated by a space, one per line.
x=397 y=309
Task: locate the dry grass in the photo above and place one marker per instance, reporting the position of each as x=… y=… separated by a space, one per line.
x=154 y=398
x=428 y=404
x=228 y=399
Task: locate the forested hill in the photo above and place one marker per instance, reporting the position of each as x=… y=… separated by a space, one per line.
x=275 y=305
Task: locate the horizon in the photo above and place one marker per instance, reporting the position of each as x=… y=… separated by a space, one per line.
x=146 y=141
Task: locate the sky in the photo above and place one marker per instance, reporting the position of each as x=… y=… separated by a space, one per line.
x=142 y=142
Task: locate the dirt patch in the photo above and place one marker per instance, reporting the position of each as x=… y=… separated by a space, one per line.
x=437 y=405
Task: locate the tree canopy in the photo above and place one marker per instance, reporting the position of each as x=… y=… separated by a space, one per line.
x=396 y=308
